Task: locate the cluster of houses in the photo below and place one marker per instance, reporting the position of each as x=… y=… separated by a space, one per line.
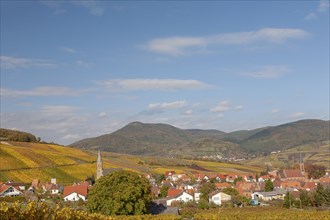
x=185 y=188
x=251 y=186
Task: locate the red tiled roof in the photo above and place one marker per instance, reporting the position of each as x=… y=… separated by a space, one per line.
x=222 y=185
x=310 y=185
x=169 y=173
x=79 y=189
x=324 y=179
x=292 y=173
x=174 y=192
x=4 y=187
x=293 y=184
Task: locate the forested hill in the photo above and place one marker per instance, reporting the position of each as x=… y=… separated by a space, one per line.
x=13 y=135
x=162 y=139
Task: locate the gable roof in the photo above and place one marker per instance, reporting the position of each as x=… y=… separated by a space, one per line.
x=290 y=173
x=5 y=187
x=79 y=189
x=174 y=192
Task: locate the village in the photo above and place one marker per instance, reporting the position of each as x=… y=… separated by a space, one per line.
x=174 y=189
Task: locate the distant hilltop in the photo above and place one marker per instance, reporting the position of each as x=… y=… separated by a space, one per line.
x=13 y=135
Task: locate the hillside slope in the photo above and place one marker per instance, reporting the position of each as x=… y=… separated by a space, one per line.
x=13 y=135
x=165 y=140
x=287 y=136
x=24 y=162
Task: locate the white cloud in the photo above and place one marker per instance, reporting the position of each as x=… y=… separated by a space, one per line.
x=54 y=5
x=93 y=6
x=71 y=137
x=120 y=85
x=68 y=50
x=82 y=63
x=167 y=105
x=188 y=112
x=57 y=109
x=310 y=16
x=102 y=115
x=8 y=62
x=239 y=107
x=183 y=45
x=274 y=111
x=323 y=6
x=297 y=114
x=41 y=91
x=222 y=107
x=269 y=71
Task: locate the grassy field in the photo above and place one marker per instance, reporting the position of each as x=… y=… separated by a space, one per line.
x=24 y=162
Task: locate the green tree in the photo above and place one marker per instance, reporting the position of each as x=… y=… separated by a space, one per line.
x=238 y=179
x=327 y=196
x=269 y=186
x=230 y=191
x=305 y=199
x=315 y=171
x=120 y=193
x=319 y=195
x=163 y=191
x=288 y=200
x=206 y=189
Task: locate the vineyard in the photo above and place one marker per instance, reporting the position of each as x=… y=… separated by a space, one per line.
x=34 y=210
x=25 y=161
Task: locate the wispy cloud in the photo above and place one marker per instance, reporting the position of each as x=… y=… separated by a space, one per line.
x=68 y=50
x=94 y=7
x=177 y=46
x=41 y=91
x=274 y=111
x=57 y=109
x=122 y=85
x=239 y=107
x=55 y=5
x=8 y=62
x=310 y=16
x=323 y=6
x=297 y=114
x=188 y=112
x=221 y=107
x=270 y=71
x=102 y=114
x=83 y=63
x=167 y=105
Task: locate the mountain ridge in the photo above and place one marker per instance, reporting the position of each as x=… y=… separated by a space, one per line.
x=162 y=139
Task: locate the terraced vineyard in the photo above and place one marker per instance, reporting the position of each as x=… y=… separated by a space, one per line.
x=21 y=161
x=316 y=153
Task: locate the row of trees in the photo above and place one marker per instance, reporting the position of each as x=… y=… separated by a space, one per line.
x=319 y=198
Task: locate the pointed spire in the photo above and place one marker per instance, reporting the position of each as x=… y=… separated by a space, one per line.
x=99 y=166
x=99 y=159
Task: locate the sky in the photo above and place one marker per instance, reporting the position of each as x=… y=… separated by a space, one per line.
x=77 y=69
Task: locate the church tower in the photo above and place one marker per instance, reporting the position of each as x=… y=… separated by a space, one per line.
x=301 y=165
x=99 y=166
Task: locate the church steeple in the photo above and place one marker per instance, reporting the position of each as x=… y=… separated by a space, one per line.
x=99 y=166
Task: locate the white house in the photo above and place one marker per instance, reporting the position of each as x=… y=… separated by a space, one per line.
x=6 y=190
x=219 y=197
x=268 y=196
x=74 y=193
x=197 y=196
x=182 y=197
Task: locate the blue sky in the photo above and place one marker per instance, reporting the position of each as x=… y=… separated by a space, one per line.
x=77 y=69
